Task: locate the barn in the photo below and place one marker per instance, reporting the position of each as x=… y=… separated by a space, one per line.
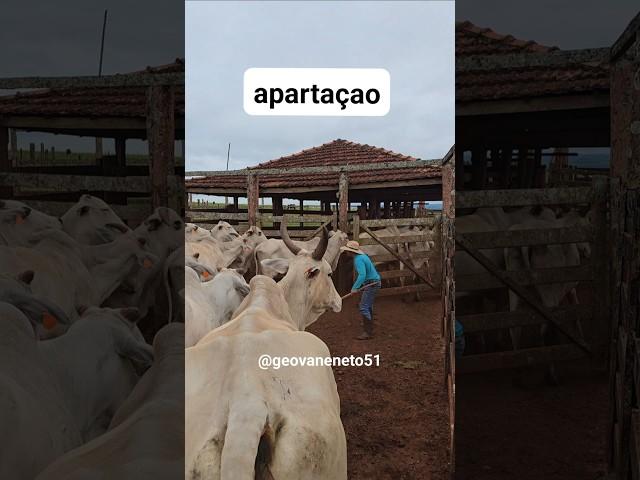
x=521 y=110
x=364 y=190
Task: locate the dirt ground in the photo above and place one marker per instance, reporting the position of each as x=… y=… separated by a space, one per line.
x=533 y=432
x=395 y=416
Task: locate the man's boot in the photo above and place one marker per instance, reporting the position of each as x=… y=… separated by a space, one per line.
x=367 y=325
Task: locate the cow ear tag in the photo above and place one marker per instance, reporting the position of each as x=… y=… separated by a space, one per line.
x=146 y=263
x=205 y=274
x=49 y=321
x=19 y=219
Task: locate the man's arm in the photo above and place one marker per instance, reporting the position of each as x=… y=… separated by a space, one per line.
x=362 y=272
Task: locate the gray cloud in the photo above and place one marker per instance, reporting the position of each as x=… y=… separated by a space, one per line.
x=414 y=41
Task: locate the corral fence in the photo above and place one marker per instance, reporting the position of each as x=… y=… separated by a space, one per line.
x=133 y=191
x=573 y=176
x=408 y=255
x=585 y=326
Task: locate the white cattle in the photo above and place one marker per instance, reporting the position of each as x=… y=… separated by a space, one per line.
x=19 y=223
x=143 y=288
x=145 y=440
x=243 y=422
x=59 y=393
x=194 y=233
x=207 y=305
x=224 y=232
x=74 y=275
x=47 y=319
x=91 y=221
x=275 y=248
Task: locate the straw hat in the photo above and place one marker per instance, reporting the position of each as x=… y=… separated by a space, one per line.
x=351 y=246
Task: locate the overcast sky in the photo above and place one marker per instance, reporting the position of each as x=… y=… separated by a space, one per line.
x=63 y=38
x=414 y=41
x=568 y=24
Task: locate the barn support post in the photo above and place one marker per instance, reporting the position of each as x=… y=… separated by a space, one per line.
x=161 y=139
x=301 y=225
x=32 y=152
x=277 y=210
x=5 y=161
x=356 y=228
x=600 y=185
x=14 y=147
x=343 y=203
x=253 y=195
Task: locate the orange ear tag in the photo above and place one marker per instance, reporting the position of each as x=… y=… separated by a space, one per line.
x=147 y=263
x=205 y=274
x=49 y=321
x=19 y=219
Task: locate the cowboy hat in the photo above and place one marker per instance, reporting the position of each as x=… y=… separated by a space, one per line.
x=351 y=246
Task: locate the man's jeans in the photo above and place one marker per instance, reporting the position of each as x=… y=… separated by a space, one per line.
x=368 y=296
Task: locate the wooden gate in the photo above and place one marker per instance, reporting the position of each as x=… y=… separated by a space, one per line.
x=564 y=318
x=405 y=252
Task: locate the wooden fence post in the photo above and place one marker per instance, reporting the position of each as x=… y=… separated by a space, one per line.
x=356 y=228
x=600 y=185
x=253 y=194
x=343 y=203
x=161 y=139
x=14 y=147
x=5 y=161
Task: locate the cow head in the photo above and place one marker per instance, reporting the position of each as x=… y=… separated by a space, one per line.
x=224 y=232
x=163 y=231
x=194 y=233
x=46 y=318
x=91 y=221
x=19 y=222
x=307 y=282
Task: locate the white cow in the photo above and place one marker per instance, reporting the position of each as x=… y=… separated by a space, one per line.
x=207 y=305
x=224 y=232
x=19 y=223
x=59 y=393
x=145 y=439
x=73 y=275
x=275 y=248
x=91 y=221
x=243 y=422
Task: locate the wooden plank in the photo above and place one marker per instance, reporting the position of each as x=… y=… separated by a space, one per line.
x=386 y=274
x=217 y=215
x=523 y=197
x=399 y=257
x=482 y=322
x=318 y=230
x=306 y=218
x=428 y=221
x=488 y=281
x=518 y=358
x=6 y=190
x=414 y=255
x=385 y=292
x=517 y=238
x=76 y=183
x=634 y=449
x=161 y=140
x=424 y=237
x=360 y=167
x=522 y=292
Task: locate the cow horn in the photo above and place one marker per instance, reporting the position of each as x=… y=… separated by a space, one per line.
x=287 y=241
x=318 y=253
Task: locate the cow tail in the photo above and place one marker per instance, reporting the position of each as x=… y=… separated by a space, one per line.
x=248 y=447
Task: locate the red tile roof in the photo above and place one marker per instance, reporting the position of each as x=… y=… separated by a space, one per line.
x=89 y=102
x=520 y=82
x=336 y=153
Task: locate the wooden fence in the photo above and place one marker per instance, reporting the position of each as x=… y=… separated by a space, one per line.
x=402 y=251
x=572 y=176
x=565 y=318
x=448 y=293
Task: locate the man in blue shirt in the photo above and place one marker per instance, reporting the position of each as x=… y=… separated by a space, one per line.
x=369 y=280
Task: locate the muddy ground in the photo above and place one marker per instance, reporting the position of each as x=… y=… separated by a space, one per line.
x=533 y=432
x=395 y=416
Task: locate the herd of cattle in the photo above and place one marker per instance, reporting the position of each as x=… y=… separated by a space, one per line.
x=84 y=396
x=524 y=258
